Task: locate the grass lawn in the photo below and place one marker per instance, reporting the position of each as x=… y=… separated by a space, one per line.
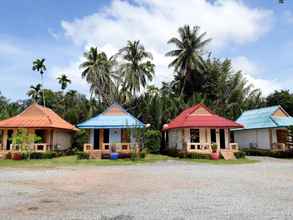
x=72 y=161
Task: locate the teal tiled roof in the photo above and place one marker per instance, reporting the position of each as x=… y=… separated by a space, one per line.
x=113 y=120
x=262 y=118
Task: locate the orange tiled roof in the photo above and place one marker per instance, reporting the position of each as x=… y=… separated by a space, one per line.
x=36 y=116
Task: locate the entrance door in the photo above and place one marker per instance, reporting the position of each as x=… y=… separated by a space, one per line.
x=222 y=138
x=96 y=139
x=9 y=139
x=282 y=136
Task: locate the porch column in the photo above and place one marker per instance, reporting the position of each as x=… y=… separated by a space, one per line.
x=227 y=141
x=5 y=137
x=218 y=138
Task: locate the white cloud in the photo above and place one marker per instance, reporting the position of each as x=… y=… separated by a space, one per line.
x=252 y=72
x=228 y=22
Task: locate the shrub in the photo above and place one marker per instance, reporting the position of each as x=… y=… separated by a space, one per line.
x=268 y=153
x=199 y=156
x=153 y=140
x=172 y=152
x=16 y=156
x=8 y=156
x=133 y=156
x=82 y=156
x=49 y=155
x=36 y=155
x=142 y=155
x=240 y=154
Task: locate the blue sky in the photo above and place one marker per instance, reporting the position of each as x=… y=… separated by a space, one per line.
x=256 y=35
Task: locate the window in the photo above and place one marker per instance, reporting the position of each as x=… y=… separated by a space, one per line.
x=194 y=136
x=213 y=136
x=1 y=136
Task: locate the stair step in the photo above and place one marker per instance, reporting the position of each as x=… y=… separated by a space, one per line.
x=228 y=155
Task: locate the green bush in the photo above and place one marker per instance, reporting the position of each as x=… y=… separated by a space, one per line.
x=82 y=156
x=142 y=155
x=153 y=140
x=172 y=152
x=199 y=156
x=240 y=154
x=268 y=153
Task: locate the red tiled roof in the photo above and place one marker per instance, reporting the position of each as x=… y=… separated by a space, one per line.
x=36 y=116
x=200 y=116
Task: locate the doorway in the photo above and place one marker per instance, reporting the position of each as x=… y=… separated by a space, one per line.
x=96 y=139
x=222 y=138
x=9 y=139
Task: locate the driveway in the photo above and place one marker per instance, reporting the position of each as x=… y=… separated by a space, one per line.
x=164 y=190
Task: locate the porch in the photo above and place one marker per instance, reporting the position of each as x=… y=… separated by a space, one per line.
x=200 y=140
x=43 y=145
x=107 y=140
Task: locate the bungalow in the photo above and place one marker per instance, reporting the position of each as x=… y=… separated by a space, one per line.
x=44 y=123
x=264 y=128
x=114 y=128
x=197 y=128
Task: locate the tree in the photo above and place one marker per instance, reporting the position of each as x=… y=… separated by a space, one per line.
x=39 y=66
x=283 y=98
x=188 y=53
x=63 y=81
x=98 y=72
x=35 y=92
x=136 y=67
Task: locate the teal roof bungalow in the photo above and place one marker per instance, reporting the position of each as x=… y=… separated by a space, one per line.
x=265 y=128
x=114 y=130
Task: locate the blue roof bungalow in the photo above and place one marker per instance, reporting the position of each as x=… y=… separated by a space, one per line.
x=115 y=127
x=265 y=128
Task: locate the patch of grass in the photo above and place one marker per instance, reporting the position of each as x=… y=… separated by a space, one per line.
x=73 y=161
x=223 y=162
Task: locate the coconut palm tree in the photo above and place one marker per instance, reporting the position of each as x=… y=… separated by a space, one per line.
x=136 y=67
x=39 y=66
x=63 y=80
x=97 y=70
x=35 y=92
x=188 y=52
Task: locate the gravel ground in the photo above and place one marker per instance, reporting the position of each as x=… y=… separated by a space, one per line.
x=165 y=190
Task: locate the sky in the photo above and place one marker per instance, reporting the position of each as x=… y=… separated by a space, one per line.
x=256 y=35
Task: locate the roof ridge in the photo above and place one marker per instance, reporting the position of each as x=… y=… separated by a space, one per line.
x=255 y=109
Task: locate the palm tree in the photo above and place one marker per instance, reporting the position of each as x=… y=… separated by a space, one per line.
x=39 y=66
x=98 y=72
x=63 y=81
x=35 y=92
x=188 y=52
x=136 y=67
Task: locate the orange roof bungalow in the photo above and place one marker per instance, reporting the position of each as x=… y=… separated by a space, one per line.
x=197 y=128
x=41 y=121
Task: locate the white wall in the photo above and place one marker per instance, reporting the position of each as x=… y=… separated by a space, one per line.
x=175 y=138
x=62 y=139
x=259 y=138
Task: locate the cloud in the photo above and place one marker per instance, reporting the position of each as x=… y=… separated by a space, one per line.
x=252 y=72
x=154 y=22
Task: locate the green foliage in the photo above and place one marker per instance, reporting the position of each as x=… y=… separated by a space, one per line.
x=268 y=153
x=153 y=141
x=79 y=138
x=39 y=155
x=82 y=155
x=199 y=156
x=283 y=98
x=240 y=155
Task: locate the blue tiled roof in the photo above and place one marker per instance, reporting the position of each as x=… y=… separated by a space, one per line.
x=262 y=118
x=103 y=120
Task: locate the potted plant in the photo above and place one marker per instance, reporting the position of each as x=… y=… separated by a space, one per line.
x=114 y=154
x=215 y=154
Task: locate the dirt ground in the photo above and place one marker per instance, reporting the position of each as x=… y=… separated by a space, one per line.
x=164 y=190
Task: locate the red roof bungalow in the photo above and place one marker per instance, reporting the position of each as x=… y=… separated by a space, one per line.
x=41 y=121
x=197 y=128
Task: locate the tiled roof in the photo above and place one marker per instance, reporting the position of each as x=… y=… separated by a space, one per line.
x=36 y=116
x=264 y=118
x=200 y=116
x=114 y=117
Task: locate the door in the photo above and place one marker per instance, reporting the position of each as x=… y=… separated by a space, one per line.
x=9 y=139
x=106 y=136
x=96 y=139
x=222 y=138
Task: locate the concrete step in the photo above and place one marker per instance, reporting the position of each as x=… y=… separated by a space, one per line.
x=228 y=155
x=97 y=155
